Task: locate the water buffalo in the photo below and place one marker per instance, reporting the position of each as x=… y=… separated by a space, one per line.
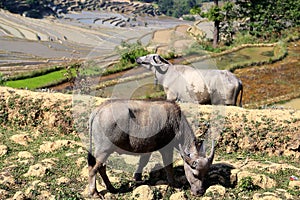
x=140 y=127
x=187 y=84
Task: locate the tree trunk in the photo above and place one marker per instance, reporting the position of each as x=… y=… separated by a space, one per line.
x=216 y=28
x=216 y=33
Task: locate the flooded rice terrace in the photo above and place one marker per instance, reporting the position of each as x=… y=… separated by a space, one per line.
x=29 y=44
x=82 y=35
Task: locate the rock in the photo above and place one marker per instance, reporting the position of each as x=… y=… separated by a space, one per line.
x=266 y=196
x=84 y=173
x=46 y=195
x=6 y=179
x=217 y=190
x=294 y=184
x=62 y=180
x=162 y=188
x=275 y=167
x=206 y=198
x=40 y=169
x=247 y=143
x=142 y=192
x=178 y=196
x=284 y=193
x=33 y=186
x=52 y=146
x=21 y=139
x=19 y=196
x=37 y=170
x=80 y=161
x=233 y=176
x=81 y=150
x=260 y=180
x=3 y=193
x=3 y=150
x=25 y=154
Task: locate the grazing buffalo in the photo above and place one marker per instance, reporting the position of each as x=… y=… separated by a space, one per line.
x=140 y=127
x=187 y=84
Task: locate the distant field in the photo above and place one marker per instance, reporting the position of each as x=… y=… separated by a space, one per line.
x=39 y=81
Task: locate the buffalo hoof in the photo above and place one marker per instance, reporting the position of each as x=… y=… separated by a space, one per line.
x=96 y=195
x=112 y=190
x=137 y=177
x=175 y=185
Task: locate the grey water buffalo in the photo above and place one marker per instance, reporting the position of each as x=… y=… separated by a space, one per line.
x=187 y=84
x=140 y=127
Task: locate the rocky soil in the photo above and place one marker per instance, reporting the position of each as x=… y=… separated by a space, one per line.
x=43 y=152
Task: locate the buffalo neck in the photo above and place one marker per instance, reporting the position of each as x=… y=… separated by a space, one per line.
x=161 y=69
x=186 y=136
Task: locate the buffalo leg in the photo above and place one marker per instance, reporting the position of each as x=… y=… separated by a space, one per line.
x=167 y=156
x=144 y=159
x=109 y=186
x=93 y=168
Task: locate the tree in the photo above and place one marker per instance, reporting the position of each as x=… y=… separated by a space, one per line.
x=267 y=19
x=165 y=6
x=214 y=15
x=217 y=15
x=175 y=8
x=226 y=25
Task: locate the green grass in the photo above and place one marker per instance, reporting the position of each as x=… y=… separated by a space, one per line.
x=39 y=81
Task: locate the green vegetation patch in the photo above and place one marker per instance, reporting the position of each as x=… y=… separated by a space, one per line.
x=39 y=81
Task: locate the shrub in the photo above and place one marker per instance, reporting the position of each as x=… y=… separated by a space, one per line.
x=246 y=184
x=241 y=38
x=130 y=51
x=2 y=79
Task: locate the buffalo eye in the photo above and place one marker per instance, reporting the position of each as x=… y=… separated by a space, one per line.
x=194 y=164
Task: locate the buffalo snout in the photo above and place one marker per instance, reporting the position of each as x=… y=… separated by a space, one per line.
x=198 y=192
x=138 y=61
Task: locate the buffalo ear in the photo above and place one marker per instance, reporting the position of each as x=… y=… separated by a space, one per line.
x=164 y=60
x=186 y=158
x=201 y=149
x=153 y=60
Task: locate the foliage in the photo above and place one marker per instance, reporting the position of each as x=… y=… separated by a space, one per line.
x=176 y=8
x=267 y=19
x=244 y=38
x=264 y=20
x=2 y=79
x=189 y=18
x=130 y=51
x=222 y=16
x=37 y=2
x=246 y=184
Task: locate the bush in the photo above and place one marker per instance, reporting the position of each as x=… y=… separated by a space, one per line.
x=130 y=51
x=246 y=184
x=241 y=38
x=2 y=79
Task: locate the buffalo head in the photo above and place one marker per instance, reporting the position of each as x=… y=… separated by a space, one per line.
x=154 y=60
x=196 y=166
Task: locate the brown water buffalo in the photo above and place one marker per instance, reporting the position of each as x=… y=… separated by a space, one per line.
x=140 y=127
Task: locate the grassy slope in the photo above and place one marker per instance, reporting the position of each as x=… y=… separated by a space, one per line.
x=45 y=117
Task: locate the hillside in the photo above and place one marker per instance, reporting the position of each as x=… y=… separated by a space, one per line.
x=43 y=151
x=58 y=8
